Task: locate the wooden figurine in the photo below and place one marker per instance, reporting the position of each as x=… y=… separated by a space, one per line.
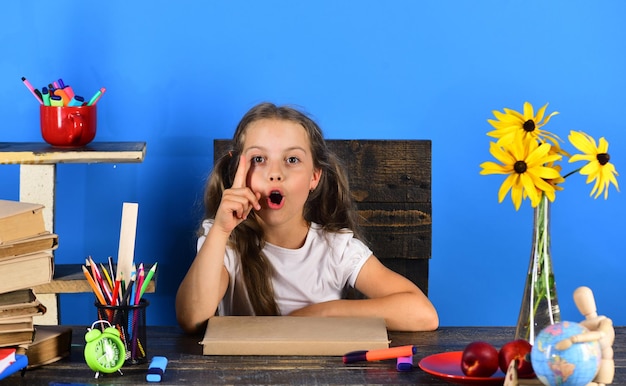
x=600 y=329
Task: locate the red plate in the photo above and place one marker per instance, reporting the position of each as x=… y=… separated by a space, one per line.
x=447 y=366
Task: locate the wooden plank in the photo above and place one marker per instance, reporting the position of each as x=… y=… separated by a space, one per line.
x=397 y=230
x=95 y=152
x=69 y=278
x=386 y=170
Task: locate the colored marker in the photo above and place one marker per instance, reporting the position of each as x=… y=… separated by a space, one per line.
x=56 y=101
x=381 y=354
x=32 y=89
x=77 y=101
x=156 y=369
x=94 y=99
x=45 y=95
x=61 y=84
x=63 y=95
x=69 y=91
x=404 y=363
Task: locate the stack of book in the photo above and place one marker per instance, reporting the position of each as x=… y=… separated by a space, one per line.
x=26 y=260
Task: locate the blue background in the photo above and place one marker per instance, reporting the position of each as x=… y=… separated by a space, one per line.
x=180 y=74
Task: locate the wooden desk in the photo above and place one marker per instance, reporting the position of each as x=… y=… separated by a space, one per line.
x=188 y=366
x=38 y=162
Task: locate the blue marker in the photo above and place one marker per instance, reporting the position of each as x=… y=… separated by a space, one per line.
x=156 y=369
x=77 y=101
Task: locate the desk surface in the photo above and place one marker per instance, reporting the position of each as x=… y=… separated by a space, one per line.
x=188 y=366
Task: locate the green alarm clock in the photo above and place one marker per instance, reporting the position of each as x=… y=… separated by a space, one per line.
x=104 y=350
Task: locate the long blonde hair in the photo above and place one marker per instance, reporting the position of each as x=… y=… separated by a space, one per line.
x=329 y=205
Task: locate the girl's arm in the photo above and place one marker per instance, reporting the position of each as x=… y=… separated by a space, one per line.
x=205 y=284
x=390 y=296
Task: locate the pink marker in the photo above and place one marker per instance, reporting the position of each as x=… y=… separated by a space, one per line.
x=32 y=90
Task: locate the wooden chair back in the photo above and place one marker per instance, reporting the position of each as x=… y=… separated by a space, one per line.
x=390 y=181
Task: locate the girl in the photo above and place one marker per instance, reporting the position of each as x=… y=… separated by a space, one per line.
x=280 y=235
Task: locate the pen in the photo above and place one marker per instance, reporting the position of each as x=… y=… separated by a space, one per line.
x=32 y=89
x=381 y=354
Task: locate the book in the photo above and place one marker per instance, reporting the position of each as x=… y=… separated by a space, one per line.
x=51 y=344
x=17 y=297
x=292 y=335
x=26 y=271
x=20 y=220
x=21 y=323
x=15 y=338
x=21 y=302
x=29 y=245
x=7 y=356
x=20 y=363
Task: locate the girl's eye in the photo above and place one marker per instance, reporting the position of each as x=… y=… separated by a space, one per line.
x=257 y=159
x=293 y=160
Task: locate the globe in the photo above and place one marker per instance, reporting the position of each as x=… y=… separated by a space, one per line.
x=575 y=366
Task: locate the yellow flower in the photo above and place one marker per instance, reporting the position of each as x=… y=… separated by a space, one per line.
x=524 y=161
x=512 y=124
x=598 y=167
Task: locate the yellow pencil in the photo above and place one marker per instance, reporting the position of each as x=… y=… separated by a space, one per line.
x=94 y=287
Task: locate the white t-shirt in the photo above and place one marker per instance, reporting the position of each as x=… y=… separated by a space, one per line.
x=317 y=272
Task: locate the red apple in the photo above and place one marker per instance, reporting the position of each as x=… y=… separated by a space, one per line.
x=479 y=359
x=519 y=350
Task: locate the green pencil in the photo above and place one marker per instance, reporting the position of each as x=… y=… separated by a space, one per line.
x=147 y=279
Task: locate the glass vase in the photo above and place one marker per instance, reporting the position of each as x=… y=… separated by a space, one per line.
x=540 y=306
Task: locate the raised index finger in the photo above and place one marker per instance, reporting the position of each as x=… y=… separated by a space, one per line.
x=241 y=173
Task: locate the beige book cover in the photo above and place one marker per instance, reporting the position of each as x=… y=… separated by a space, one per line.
x=26 y=271
x=291 y=335
x=20 y=220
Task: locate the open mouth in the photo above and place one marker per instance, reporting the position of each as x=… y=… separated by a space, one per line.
x=275 y=200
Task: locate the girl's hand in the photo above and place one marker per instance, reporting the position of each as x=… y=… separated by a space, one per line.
x=238 y=201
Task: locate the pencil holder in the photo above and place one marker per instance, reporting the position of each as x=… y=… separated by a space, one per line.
x=130 y=321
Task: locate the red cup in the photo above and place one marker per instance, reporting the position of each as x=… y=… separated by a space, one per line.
x=68 y=126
